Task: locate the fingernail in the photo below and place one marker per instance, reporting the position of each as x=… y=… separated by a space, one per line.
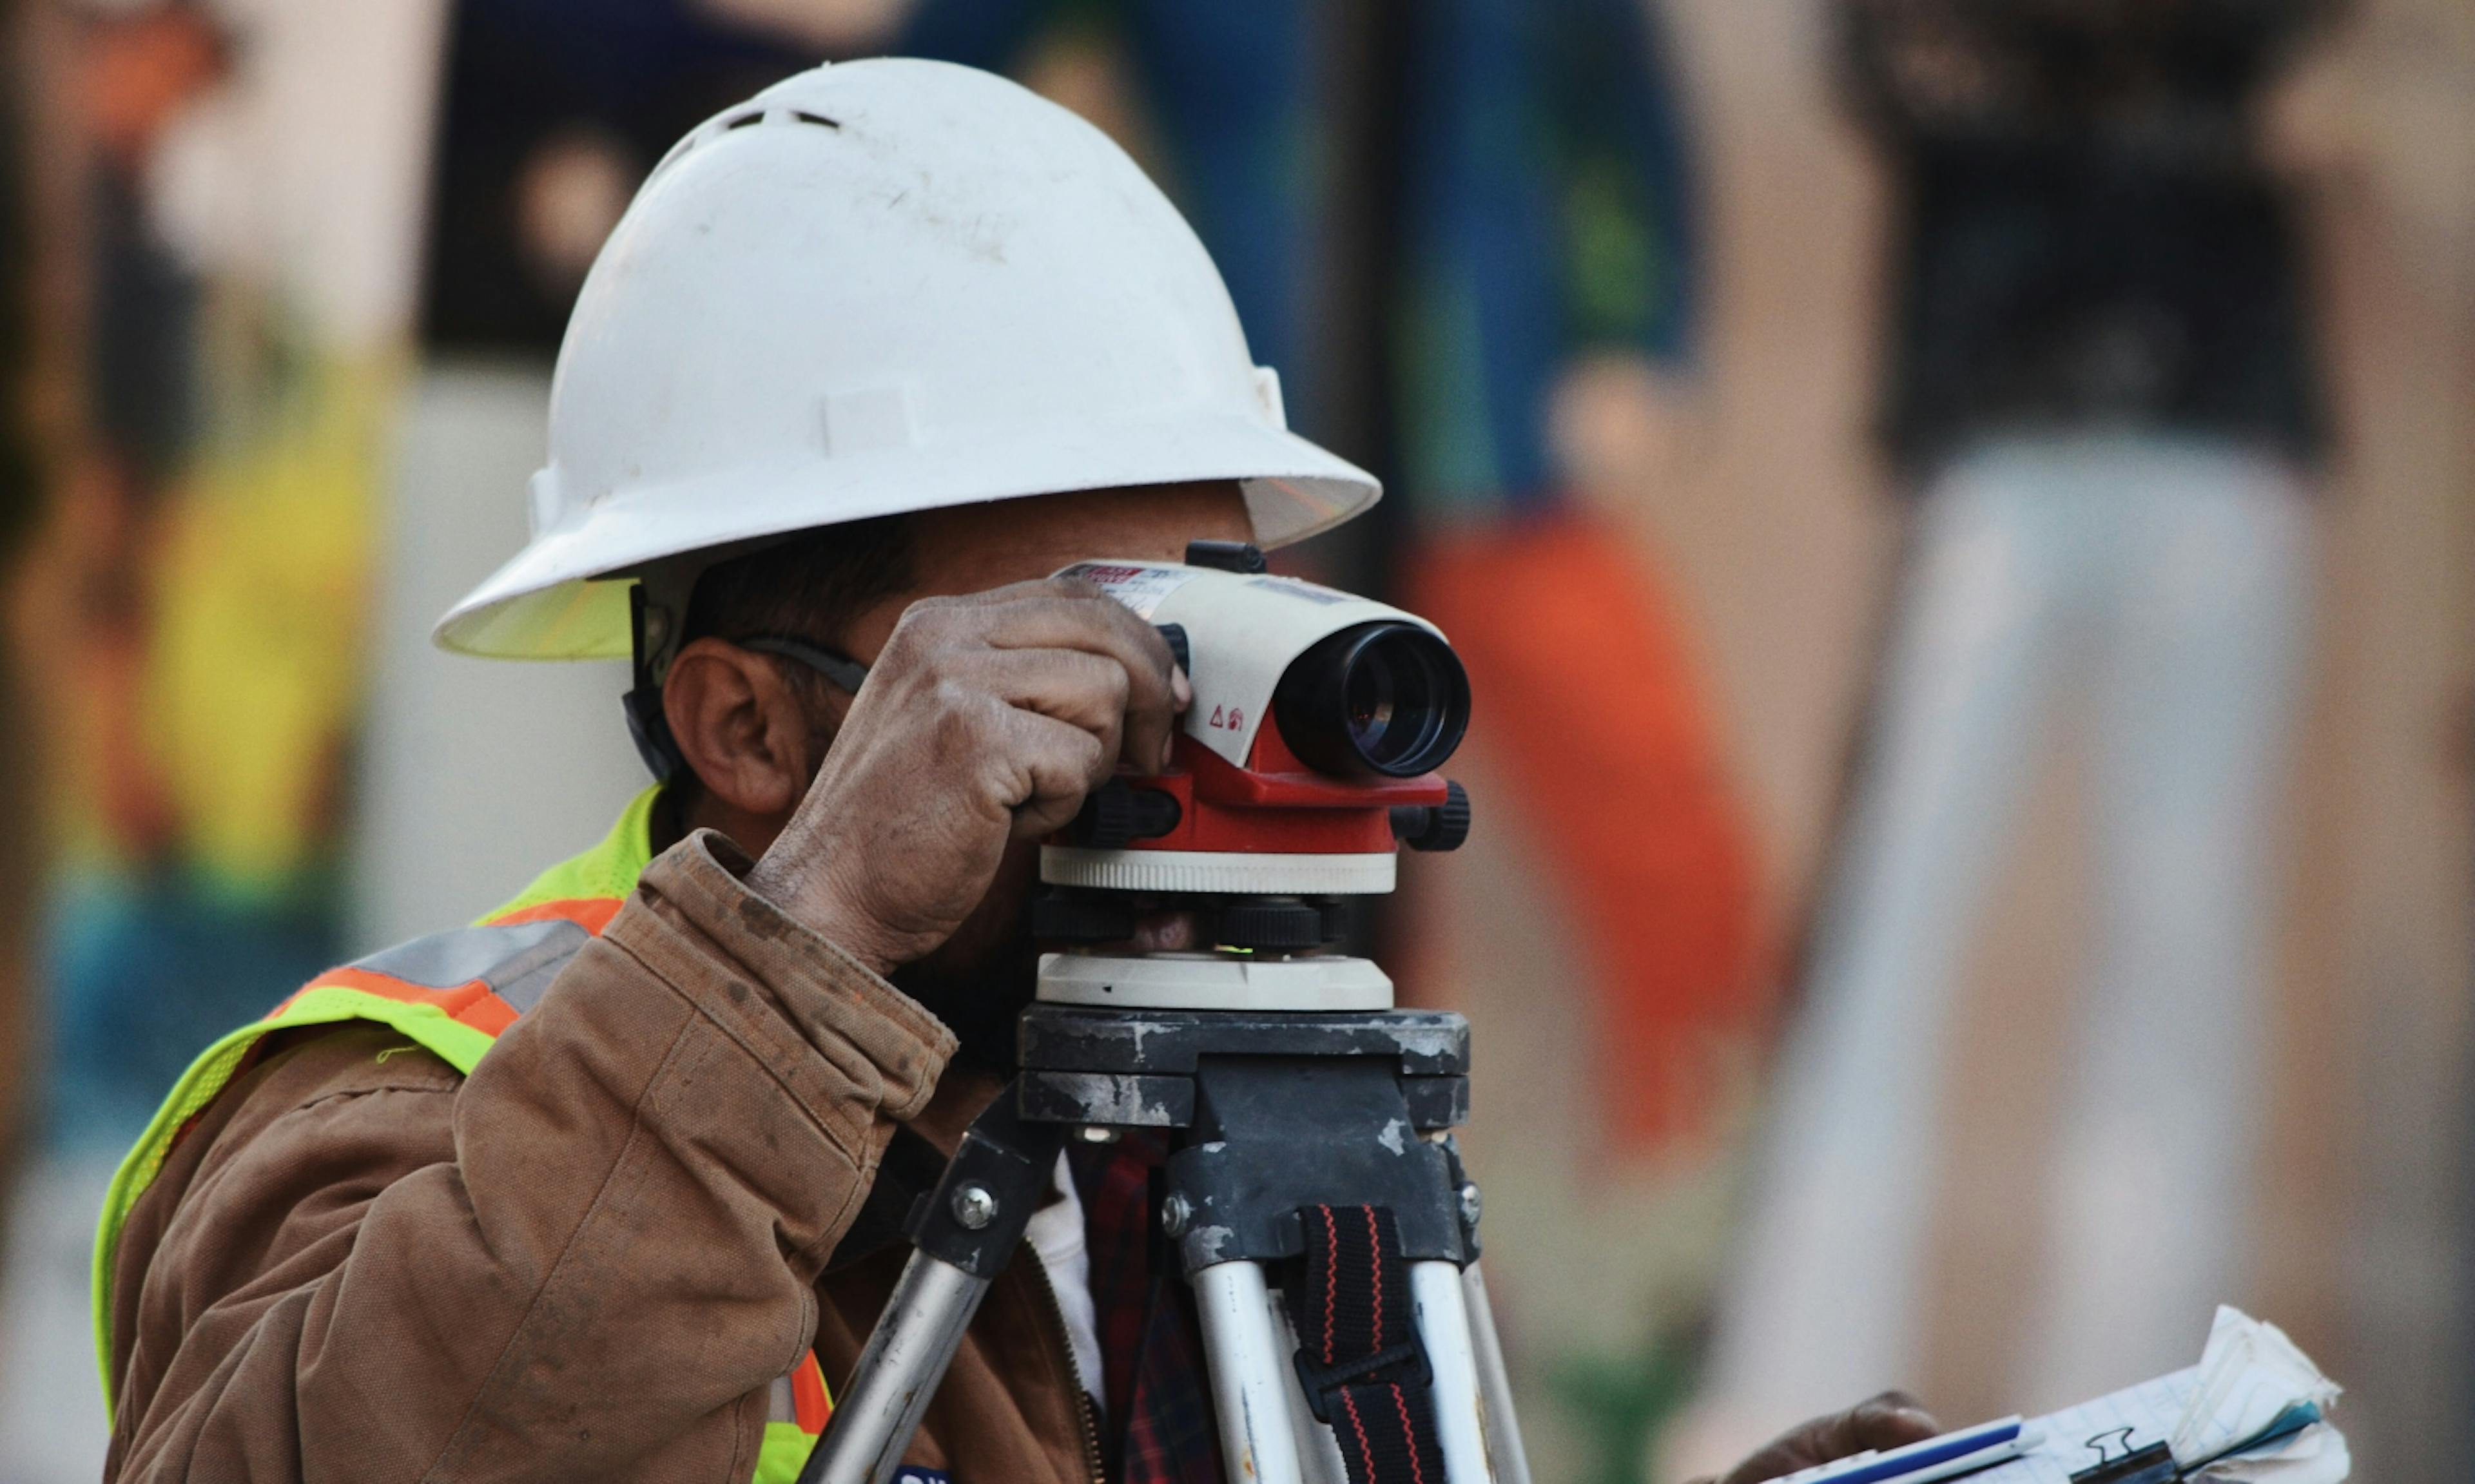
x=1181 y=688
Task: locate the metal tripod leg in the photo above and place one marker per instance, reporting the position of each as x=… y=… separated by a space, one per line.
x=1444 y=1328
x=1264 y=1435
x=1504 y=1447
x=907 y=1355
x=1249 y=1365
x=963 y=1234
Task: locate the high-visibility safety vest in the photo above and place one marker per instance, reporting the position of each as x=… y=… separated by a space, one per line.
x=451 y=993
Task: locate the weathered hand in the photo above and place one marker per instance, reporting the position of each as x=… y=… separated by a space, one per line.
x=1889 y=1421
x=985 y=719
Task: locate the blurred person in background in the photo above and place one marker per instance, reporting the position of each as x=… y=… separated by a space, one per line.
x=2103 y=393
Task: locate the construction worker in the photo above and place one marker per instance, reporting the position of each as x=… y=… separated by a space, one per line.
x=607 y=1185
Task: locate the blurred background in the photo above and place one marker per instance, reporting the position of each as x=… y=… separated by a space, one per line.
x=1958 y=512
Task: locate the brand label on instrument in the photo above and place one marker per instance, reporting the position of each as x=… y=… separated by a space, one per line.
x=1139 y=588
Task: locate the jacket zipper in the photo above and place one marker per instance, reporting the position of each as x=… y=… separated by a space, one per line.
x=1062 y=1345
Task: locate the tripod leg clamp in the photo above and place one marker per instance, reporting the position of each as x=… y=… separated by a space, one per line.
x=997 y=1177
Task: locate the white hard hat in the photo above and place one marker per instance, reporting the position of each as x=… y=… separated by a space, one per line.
x=881 y=286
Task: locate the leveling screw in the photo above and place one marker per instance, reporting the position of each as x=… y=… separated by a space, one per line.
x=1175 y=1213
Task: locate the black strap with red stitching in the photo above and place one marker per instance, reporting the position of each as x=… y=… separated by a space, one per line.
x=1358 y=1356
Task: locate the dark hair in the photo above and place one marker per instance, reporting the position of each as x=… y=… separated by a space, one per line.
x=806 y=588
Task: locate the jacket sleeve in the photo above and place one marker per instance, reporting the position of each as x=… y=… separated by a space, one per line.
x=593 y=1263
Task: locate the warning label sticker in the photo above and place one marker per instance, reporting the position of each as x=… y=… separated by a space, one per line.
x=1139 y=588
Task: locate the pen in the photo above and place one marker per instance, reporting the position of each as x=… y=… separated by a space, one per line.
x=1934 y=1458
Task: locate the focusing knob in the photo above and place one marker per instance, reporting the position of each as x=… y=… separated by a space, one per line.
x=1440 y=826
x=1237 y=556
x=1270 y=924
x=1117 y=814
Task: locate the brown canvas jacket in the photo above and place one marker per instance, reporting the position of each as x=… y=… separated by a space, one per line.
x=591 y=1259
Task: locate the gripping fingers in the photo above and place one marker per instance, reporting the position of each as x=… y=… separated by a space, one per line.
x=1068 y=614
x=1072 y=686
x=1051 y=765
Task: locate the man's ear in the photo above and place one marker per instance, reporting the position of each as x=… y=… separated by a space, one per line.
x=741 y=727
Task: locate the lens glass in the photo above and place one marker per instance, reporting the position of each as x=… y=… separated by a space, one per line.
x=1395 y=699
x=1385 y=698
x=1370 y=705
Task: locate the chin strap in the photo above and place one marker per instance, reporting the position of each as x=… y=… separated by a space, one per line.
x=645 y=723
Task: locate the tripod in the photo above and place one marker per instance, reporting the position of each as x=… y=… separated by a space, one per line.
x=1309 y=1123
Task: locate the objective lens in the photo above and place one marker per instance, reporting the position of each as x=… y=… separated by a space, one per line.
x=1388 y=697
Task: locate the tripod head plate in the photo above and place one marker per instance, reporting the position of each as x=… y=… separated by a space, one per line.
x=1222 y=982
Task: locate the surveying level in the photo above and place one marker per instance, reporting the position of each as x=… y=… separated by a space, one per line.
x=1315 y=1195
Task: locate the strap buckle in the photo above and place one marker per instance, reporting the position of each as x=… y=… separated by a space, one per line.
x=1322 y=1383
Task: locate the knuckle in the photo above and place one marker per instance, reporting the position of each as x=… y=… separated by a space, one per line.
x=962 y=718
x=913 y=639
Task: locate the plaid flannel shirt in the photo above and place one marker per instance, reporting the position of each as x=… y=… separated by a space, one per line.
x=1158 y=1426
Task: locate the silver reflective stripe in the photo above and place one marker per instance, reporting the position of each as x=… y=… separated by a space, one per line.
x=782 y=1403
x=517 y=961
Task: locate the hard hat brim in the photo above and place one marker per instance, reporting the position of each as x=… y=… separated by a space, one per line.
x=556 y=600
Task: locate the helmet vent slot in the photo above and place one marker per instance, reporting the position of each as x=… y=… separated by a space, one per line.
x=816 y=118
x=746 y=119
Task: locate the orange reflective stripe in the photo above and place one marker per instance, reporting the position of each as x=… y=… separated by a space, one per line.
x=469 y=1002
x=592 y=913
x=810 y=1404
x=473 y=1004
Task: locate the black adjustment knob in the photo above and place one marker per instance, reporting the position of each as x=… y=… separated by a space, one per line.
x=1440 y=826
x=1241 y=556
x=1179 y=649
x=1117 y=814
x=1156 y=813
x=1061 y=917
x=1270 y=925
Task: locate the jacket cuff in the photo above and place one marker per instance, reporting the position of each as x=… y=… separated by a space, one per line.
x=696 y=922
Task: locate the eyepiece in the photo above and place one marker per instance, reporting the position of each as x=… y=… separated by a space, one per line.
x=1386 y=697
